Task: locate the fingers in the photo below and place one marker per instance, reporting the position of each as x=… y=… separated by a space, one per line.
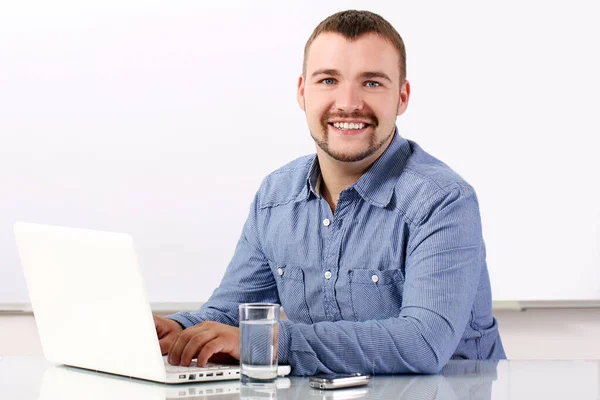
x=217 y=345
x=195 y=345
x=165 y=335
x=159 y=325
x=203 y=341
x=222 y=358
x=167 y=331
x=188 y=344
x=166 y=342
x=176 y=349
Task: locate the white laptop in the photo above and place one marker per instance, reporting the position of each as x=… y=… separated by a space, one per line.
x=91 y=307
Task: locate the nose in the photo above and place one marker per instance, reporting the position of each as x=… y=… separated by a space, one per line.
x=348 y=99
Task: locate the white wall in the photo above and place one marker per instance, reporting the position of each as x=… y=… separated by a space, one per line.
x=533 y=334
x=160 y=120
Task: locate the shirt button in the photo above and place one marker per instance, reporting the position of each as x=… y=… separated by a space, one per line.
x=279 y=271
x=326 y=222
x=375 y=278
x=328 y=275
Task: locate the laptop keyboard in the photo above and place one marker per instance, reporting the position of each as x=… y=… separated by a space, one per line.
x=209 y=366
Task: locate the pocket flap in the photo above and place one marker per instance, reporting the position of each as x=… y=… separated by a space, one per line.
x=287 y=271
x=375 y=277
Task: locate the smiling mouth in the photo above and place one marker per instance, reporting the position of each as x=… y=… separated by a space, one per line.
x=349 y=126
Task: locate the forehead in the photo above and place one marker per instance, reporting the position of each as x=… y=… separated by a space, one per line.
x=369 y=52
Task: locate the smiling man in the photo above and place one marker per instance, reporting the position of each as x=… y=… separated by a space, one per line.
x=372 y=246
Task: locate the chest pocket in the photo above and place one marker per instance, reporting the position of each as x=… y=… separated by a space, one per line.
x=375 y=294
x=292 y=292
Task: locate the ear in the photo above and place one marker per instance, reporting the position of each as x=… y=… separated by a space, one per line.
x=300 y=94
x=404 y=96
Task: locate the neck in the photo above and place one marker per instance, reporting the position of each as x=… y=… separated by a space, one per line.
x=338 y=175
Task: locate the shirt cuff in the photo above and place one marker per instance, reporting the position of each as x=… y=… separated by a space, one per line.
x=185 y=319
x=284 y=342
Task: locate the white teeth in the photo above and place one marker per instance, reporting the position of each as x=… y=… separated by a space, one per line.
x=348 y=125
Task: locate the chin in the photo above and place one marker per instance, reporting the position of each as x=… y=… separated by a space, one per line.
x=350 y=155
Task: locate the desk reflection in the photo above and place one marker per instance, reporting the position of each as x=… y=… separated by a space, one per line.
x=67 y=383
x=458 y=380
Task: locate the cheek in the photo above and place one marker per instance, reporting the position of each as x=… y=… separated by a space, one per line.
x=385 y=109
x=317 y=102
x=315 y=111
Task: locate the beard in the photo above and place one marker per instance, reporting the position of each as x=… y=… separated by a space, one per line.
x=372 y=147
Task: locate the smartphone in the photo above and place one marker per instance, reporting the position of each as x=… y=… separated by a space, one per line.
x=338 y=381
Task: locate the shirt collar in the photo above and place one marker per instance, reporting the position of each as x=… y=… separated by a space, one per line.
x=376 y=185
x=313 y=179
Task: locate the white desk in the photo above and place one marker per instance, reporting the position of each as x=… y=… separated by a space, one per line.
x=33 y=378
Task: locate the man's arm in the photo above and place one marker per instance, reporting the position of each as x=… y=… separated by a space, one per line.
x=248 y=279
x=211 y=332
x=444 y=259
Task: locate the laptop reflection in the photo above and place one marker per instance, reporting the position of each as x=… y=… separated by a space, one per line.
x=61 y=382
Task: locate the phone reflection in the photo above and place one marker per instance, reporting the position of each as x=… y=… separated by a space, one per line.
x=340 y=394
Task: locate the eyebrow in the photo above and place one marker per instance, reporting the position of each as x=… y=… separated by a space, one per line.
x=364 y=75
x=375 y=74
x=332 y=72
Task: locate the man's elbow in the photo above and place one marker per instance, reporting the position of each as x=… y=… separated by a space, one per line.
x=429 y=353
x=427 y=367
x=426 y=361
x=416 y=351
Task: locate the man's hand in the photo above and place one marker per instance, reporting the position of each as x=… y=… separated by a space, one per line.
x=167 y=331
x=204 y=341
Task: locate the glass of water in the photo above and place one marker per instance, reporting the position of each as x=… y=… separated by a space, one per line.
x=258 y=342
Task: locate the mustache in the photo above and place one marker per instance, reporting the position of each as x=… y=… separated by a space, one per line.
x=365 y=116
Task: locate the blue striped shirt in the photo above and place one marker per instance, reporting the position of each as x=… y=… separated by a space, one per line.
x=394 y=281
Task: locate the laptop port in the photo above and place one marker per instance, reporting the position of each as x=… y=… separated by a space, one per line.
x=192 y=377
x=219 y=374
x=209 y=374
x=200 y=375
x=181 y=376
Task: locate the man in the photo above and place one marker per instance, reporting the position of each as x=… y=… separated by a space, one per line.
x=373 y=247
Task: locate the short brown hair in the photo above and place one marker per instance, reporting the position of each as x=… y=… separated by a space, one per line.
x=352 y=24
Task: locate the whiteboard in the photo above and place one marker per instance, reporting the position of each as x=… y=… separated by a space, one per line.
x=160 y=119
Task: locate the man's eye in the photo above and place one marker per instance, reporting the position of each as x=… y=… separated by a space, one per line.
x=372 y=84
x=328 y=81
